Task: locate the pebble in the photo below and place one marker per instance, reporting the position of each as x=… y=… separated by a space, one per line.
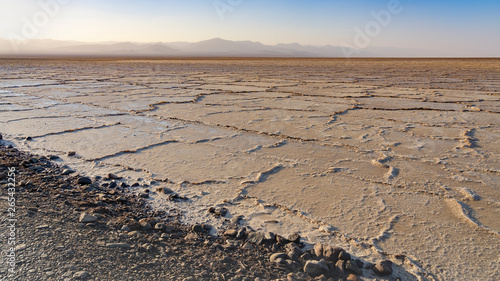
x=198 y=228
x=113 y=176
x=71 y=153
x=231 y=232
x=118 y=246
x=21 y=247
x=160 y=226
x=84 y=180
x=316 y=268
x=81 y=275
x=343 y=255
x=352 y=277
x=353 y=267
x=67 y=172
x=276 y=256
x=383 y=268
x=86 y=218
x=256 y=238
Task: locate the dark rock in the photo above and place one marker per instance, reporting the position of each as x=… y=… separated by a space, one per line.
x=293 y=251
x=29 y=138
x=81 y=275
x=383 y=268
x=256 y=238
x=84 y=180
x=282 y=240
x=71 y=153
x=343 y=255
x=276 y=256
x=112 y=184
x=352 y=266
x=145 y=224
x=270 y=237
x=236 y=220
x=113 y=176
x=340 y=266
x=136 y=184
x=124 y=185
x=1 y=137
x=67 y=172
x=315 y=268
x=295 y=238
x=86 y=218
x=198 y=228
x=144 y=194
x=164 y=190
x=242 y=234
x=53 y=157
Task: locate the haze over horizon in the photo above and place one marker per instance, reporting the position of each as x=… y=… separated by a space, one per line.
x=447 y=28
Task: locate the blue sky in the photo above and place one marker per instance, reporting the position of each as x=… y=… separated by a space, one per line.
x=466 y=27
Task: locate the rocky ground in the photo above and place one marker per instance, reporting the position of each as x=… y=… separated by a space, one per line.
x=60 y=226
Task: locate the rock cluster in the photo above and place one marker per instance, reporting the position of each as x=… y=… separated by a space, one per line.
x=96 y=229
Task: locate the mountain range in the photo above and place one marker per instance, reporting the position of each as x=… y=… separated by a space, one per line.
x=209 y=48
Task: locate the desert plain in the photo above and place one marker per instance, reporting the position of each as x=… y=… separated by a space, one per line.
x=388 y=158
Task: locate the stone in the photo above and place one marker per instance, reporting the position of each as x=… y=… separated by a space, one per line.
x=297 y=276
x=248 y=246
x=29 y=138
x=71 y=153
x=21 y=247
x=270 y=237
x=242 y=234
x=231 y=232
x=118 y=246
x=340 y=266
x=84 y=180
x=67 y=172
x=53 y=157
x=282 y=240
x=276 y=256
x=352 y=277
x=316 y=268
x=318 y=250
x=160 y=226
x=343 y=255
x=295 y=238
x=113 y=176
x=293 y=251
x=144 y=223
x=383 y=268
x=256 y=238
x=198 y=228
x=353 y=266
x=81 y=275
x=86 y=218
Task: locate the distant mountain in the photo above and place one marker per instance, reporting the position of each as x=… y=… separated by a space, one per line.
x=209 y=48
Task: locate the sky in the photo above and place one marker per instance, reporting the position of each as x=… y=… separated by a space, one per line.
x=469 y=28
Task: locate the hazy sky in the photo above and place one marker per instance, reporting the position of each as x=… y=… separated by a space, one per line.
x=466 y=27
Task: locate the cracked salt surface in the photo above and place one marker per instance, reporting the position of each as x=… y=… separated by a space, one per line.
x=389 y=159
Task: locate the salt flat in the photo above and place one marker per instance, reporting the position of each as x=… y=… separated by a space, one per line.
x=394 y=159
